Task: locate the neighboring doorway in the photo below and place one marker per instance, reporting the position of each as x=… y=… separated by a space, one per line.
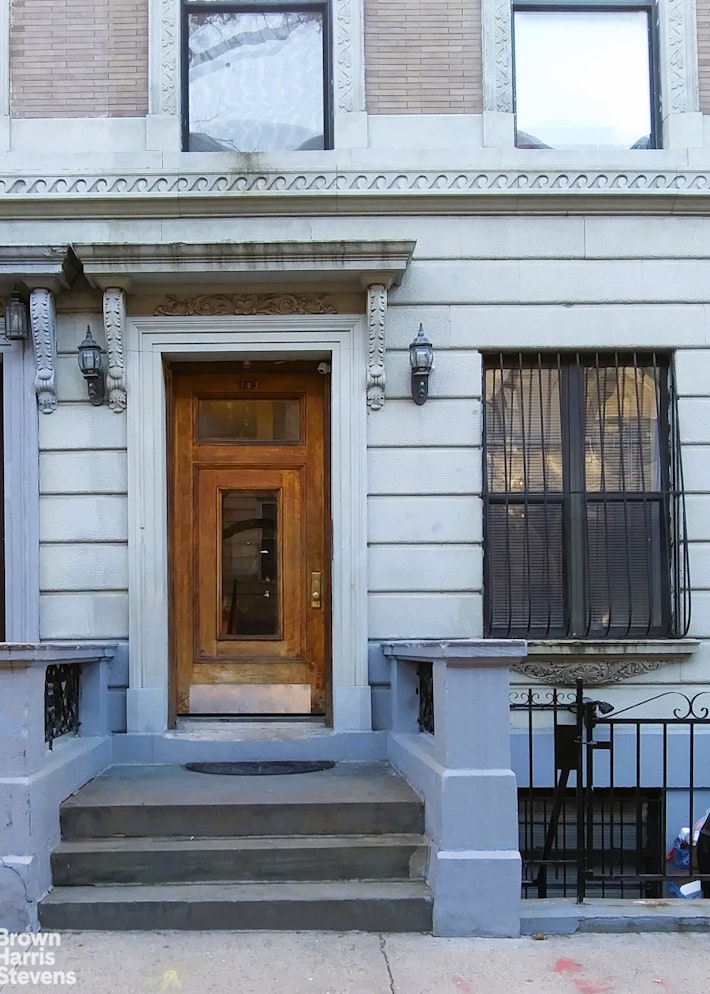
x=249 y=539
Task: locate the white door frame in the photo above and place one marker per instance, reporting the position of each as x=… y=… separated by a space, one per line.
x=341 y=340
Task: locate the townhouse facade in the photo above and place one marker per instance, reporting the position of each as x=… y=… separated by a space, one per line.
x=267 y=474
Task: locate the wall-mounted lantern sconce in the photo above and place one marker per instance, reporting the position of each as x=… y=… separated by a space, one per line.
x=421 y=357
x=92 y=369
x=17 y=322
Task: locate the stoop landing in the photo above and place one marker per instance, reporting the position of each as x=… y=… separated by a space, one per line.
x=170 y=800
x=231 y=740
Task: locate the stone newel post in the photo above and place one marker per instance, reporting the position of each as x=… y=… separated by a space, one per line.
x=463 y=771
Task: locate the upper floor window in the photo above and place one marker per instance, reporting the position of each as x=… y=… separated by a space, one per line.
x=584 y=74
x=256 y=76
x=584 y=514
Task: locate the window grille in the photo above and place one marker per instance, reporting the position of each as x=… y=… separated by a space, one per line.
x=585 y=531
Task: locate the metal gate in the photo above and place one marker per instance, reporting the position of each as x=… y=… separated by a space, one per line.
x=604 y=793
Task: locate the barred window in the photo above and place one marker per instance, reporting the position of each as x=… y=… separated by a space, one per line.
x=584 y=510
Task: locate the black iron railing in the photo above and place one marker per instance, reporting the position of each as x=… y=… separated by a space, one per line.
x=425 y=691
x=61 y=701
x=604 y=794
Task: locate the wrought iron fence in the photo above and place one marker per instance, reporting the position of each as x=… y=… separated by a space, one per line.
x=605 y=795
x=61 y=700
x=425 y=692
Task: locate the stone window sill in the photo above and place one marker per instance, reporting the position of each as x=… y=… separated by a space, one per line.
x=600 y=661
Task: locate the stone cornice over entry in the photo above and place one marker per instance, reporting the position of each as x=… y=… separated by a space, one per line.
x=372 y=266
x=117 y=269
x=347 y=263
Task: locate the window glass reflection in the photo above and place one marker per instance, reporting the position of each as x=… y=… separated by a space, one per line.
x=262 y=420
x=622 y=433
x=582 y=79
x=250 y=567
x=255 y=81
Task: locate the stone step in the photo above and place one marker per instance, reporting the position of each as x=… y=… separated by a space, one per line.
x=367 y=906
x=176 y=860
x=151 y=802
x=226 y=821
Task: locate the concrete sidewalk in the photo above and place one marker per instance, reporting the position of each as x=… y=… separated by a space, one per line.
x=359 y=963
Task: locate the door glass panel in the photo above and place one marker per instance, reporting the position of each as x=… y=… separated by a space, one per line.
x=250 y=565
x=260 y=420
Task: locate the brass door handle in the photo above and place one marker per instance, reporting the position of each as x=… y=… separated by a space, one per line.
x=317 y=589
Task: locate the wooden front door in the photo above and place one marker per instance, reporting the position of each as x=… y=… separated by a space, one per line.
x=249 y=553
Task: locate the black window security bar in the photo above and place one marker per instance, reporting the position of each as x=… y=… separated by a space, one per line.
x=604 y=796
x=425 y=692
x=61 y=701
x=584 y=512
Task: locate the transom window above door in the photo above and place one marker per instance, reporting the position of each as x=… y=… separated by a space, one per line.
x=256 y=76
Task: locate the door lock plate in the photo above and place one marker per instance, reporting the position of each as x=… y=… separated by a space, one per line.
x=317 y=589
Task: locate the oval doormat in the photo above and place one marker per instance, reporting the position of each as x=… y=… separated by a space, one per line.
x=261 y=769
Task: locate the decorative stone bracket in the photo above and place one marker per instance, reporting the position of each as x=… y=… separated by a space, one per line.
x=43 y=320
x=598 y=662
x=43 y=270
x=376 y=311
x=114 y=326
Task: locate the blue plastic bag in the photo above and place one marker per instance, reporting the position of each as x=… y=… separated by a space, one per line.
x=681 y=854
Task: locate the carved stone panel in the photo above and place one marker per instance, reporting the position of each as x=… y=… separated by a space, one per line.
x=43 y=320
x=114 y=324
x=563 y=662
x=208 y=305
x=345 y=61
x=168 y=28
x=593 y=672
x=376 y=311
x=496 y=24
x=677 y=22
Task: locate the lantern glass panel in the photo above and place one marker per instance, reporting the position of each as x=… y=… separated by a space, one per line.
x=15 y=318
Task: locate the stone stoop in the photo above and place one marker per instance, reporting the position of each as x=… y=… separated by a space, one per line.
x=163 y=848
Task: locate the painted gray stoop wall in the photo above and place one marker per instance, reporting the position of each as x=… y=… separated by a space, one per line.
x=36 y=780
x=463 y=772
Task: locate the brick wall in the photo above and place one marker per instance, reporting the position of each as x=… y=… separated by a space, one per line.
x=703 y=11
x=79 y=58
x=423 y=57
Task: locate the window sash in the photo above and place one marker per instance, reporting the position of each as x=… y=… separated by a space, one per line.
x=566 y=560
x=649 y=7
x=190 y=8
